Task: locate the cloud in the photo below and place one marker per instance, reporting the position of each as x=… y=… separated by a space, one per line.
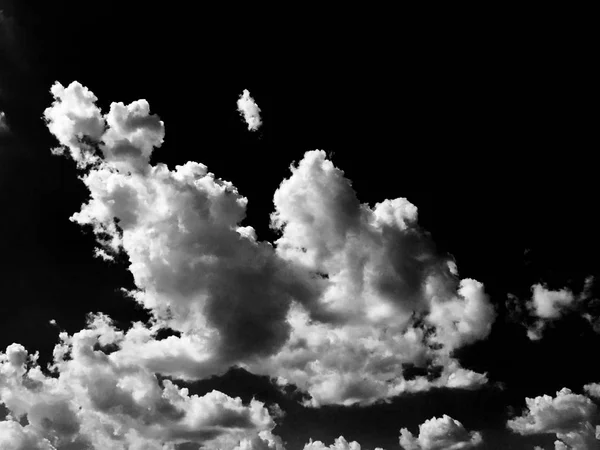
x=14 y=436
x=593 y=390
x=248 y=108
x=339 y=444
x=547 y=306
x=440 y=433
x=346 y=298
x=3 y=124
x=572 y=417
x=101 y=400
x=125 y=137
x=265 y=440
x=382 y=272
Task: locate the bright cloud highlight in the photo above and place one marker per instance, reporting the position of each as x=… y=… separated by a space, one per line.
x=442 y=433
x=248 y=108
x=339 y=305
x=572 y=417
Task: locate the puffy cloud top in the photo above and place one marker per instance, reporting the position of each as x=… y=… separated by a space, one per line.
x=570 y=416
x=442 y=433
x=340 y=444
x=126 y=135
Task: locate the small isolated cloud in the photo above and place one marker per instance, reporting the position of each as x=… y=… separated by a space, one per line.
x=265 y=440
x=3 y=124
x=249 y=110
x=547 y=306
x=125 y=136
x=339 y=444
x=443 y=433
x=572 y=417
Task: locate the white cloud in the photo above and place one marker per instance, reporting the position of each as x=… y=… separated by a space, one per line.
x=465 y=318
x=570 y=416
x=265 y=440
x=105 y=401
x=345 y=298
x=3 y=124
x=382 y=271
x=593 y=390
x=14 y=436
x=249 y=110
x=442 y=433
x=548 y=304
x=339 y=444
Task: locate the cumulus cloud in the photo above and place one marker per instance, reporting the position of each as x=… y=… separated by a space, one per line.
x=3 y=124
x=572 y=417
x=443 y=433
x=593 y=390
x=265 y=440
x=339 y=444
x=248 y=108
x=547 y=305
x=125 y=136
x=101 y=400
x=346 y=297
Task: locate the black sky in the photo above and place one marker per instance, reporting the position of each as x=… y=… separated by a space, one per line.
x=487 y=131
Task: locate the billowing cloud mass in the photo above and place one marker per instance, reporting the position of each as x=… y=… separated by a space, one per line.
x=442 y=433
x=347 y=298
x=103 y=400
x=249 y=110
x=572 y=417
